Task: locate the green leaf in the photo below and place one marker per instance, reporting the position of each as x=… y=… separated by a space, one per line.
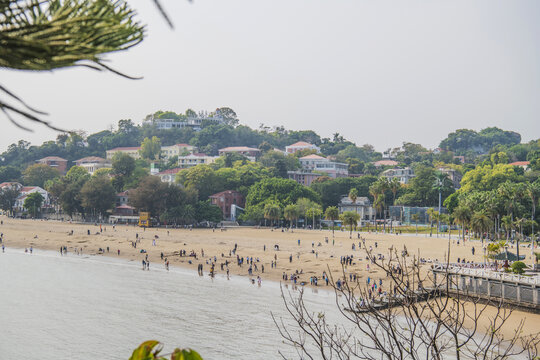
x=185 y=354
x=144 y=351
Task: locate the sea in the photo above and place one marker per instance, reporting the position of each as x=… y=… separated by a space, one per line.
x=97 y=307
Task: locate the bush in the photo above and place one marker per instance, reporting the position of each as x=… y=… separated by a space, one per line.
x=518 y=267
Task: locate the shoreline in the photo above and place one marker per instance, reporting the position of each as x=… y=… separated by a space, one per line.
x=313 y=256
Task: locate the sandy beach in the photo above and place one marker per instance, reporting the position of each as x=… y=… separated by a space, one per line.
x=311 y=257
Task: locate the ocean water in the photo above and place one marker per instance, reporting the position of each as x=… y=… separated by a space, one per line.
x=91 y=307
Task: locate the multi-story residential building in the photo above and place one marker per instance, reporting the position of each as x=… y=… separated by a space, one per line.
x=385 y=162
x=404 y=175
x=194 y=122
x=301 y=145
x=454 y=176
x=168 y=152
x=225 y=199
x=92 y=163
x=362 y=206
x=55 y=162
x=250 y=153
x=320 y=164
x=195 y=159
x=169 y=175
x=9 y=185
x=304 y=177
x=132 y=151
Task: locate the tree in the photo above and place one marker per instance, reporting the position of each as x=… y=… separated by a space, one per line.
x=88 y=30
x=418 y=324
x=38 y=174
x=272 y=212
x=150 y=148
x=150 y=350
x=462 y=216
x=350 y=218
x=123 y=165
x=290 y=213
x=438 y=185
x=332 y=213
x=281 y=191
x=33 y=203
x=314 y=211
x=533 y=191
x=394 y=186
x=480 y=223
x=98 y=194
x=150 y=195
x=8 y=197
x=353 y=195
x=9 y=173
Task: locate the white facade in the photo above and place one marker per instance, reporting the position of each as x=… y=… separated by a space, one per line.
x=193 y=122
x=362 y=206
x=404 y=175
x=93 y=163
x=131 y=151
x=192 y=160
x=27 y=190
x=320 y=164
x=168 y=152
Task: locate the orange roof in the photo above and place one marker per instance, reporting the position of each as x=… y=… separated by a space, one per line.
x=385 y=163
x=520 y=163
x=126 y=148
x=301 y=143
x=312 y=157
x=55 y=158
x=238 y=148
x=184 y=145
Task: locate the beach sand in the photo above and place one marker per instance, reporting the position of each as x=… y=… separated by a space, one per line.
x=51 y=235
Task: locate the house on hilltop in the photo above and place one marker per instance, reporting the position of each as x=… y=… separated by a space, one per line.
x=93 y=163
x=317 y=163
x=225 y=200
x=250 y=153
x=132 y=151
x=301 y=145
x=55 y=162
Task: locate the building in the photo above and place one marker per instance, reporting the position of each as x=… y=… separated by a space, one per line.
x=385 y=162
x=11 y=185
x=194 y=122
x=195 y=159
x=55 y=162
x=132 y=151
x=304 y=177
x=301 y=145
x=225 y=200
x=168 y=176
x=93 y=163
x=27 y=190
x=403 y=175
x=454 y=176
x=320 y=164
x=122 y=207
x=168 y=152
x=250 y=153
x=522 y=164
x=362 y=206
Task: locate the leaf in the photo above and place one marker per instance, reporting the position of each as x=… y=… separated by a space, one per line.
x=185 y=354
x=144 y=351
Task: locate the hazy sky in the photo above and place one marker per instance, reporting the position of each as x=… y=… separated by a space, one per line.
x=378 y=72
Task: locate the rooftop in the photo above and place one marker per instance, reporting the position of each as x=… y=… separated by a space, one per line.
x=312 y=157
x=238 y=148
x=385 y=163
x=520 y=163
x=125 y=148
x=52 y=158
x=301 y=143
x=169 y=171
x=90 y=159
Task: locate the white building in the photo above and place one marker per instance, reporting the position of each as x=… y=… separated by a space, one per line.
x=404 y=175
x=93 y=163
x=168 y=152
x=168 y=176
x=250 y=153
x=193 y=122
x=195 y=159
x=301 y=145
x=323 y=165
x=132 y=151
x=27 y=190
x=362 y=206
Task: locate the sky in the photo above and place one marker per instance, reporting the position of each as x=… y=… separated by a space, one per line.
x=378 y=72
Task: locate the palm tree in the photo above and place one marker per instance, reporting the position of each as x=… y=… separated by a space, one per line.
x=394 y=185
x=272 y=212
x=462 y=216
x=290 y=213
x=350 y=218
x=332 y=213
x=508 y=225
x=314 y=211
x=533 y=190
x=480 y=223
x=432 y=214
x=353 y=195
x=375 y=191
x=415 y=217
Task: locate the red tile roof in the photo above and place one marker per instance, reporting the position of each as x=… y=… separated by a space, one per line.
x=312 y=157
x=385 y=163
x=90 y=159
x=52 y=158
x=184 y=145
x=238 y=148
x=301 y=143
x=520 y=163
x=126 y=148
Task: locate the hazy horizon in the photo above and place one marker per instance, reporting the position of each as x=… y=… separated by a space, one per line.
x=420 y=70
